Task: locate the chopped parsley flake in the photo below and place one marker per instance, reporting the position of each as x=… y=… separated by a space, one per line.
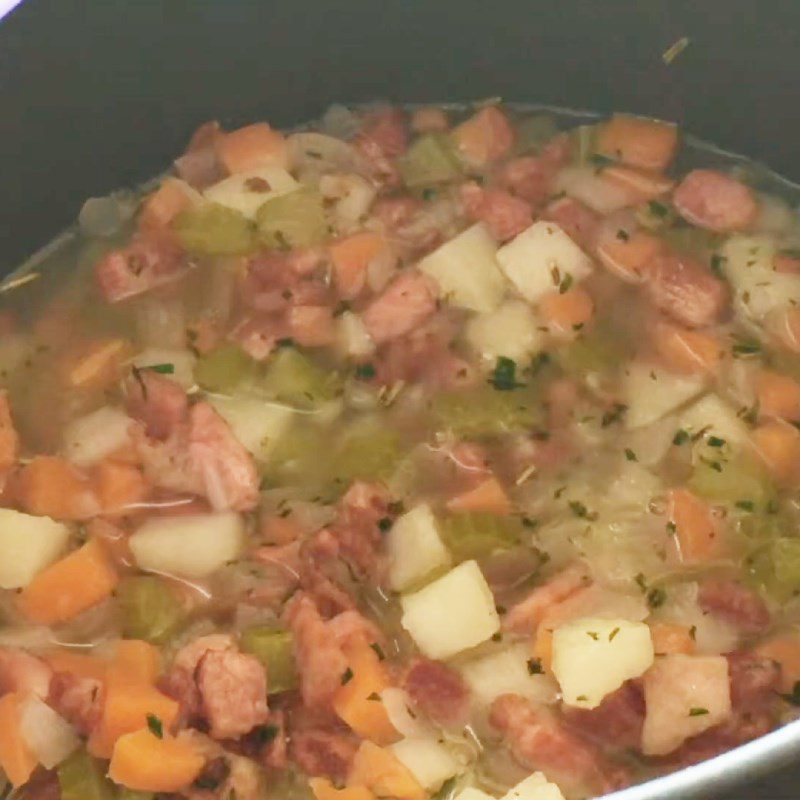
x=384 y=523
x=613 y=634
x=745 y=505
x=347 y=676
x=504 y=375
x=657 y=209
x=614 y=414
x=365 y=371
x=793 y=697
x=155 y=726
x=378 y=651
x=746 y=347
x=698 y=712
x=680 y=437
x=656 y=597
x=535 y=666
x=161 y=369
x=715 y=441
x=630 y=455
x=565 y=284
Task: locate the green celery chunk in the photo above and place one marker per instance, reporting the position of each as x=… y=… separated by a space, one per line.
x=776 y=567
x=534 y=132
x=81 y=777
x=430 y=159
x=223 y=369
x=211 y=229
x=302 y=452
x=486 y=411
x=293 y=378
x=150 y=608
x=273 y=648
x=367 y=450
x=737 y=479
x=294 y=219
x=476 y=535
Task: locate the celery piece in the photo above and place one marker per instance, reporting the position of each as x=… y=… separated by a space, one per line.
x=656 y=215
x=223 y=369
x=475 y=535
x=273 y=647
x=584 y=143
x=294 y=219
x=214 y=230
x=776 y=567
x=367 y=450
x=429 y=160
x=731 y=480
x=150 y=609
x=81 y=777
x=601 y=350
x=293 y=378
x=302 y=453
x=486 y=412
x=532 y=133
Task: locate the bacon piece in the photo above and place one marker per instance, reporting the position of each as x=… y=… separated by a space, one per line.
x=438 y=691
x=157 y=401
x=578 y=221
x=79 y=700
x=320 y=743
x=736 y=604
x=617 y=721
x=407 y=302
x=715 y=201
x=504 y=214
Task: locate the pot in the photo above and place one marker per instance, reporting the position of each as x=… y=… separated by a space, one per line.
x=101 y=95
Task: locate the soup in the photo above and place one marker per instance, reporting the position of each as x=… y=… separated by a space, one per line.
x=442 y=453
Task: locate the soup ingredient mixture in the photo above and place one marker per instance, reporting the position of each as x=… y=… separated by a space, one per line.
x=411 y=455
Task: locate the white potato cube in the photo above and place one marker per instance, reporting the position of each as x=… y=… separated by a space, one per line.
x=593 y=657
x=506 y=672
x=466 y=270
x=48 y=735
x=511 y=330
x=191 y=546
x=14 y=349
x=539 y=259
x=534 y=787
x=256 y=423
x=451 y=614
x=91 y=438
x=182 y=361
x=28 y=544
x=352 y=337
x=684 y=696
x=414 y=547
x=430 y=762
x=714 y=416
x=246 y=192
x=651 y=392
x=592 y=189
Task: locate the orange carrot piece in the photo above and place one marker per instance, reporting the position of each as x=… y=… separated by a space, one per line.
x=119 y=486
x=638 y=142
x=629 y=257
x=784 y=325
x=485 y=136
x=355 y=700
x=323 y=789
x=351 y=257
x=778 y=445
x=566 y=313
x=488 y=496
x=671 y=638
x=135 y=661
x=52 y=487
x=9 y=439
x=384 y=774
x=126 y=708
x=542 y=648
x=778 y=395
x=146 y=763
x=97 y=365
x=695 y=352
x=428 y=119
x=785 y=650
x=80 y=665
x=641 y=184
x=16 y=758
x=252 y=147
x=161 y=207
x=696 y=536
x=70 y=586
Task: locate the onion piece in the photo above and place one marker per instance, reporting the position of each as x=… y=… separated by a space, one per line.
x=49 y=736
x=314 y=154
x=397 y=704
x=339 y=121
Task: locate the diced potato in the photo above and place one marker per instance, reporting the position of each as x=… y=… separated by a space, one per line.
x=91 y=438
x=594 y=191
x=714 y=416
x=651 y=392
x=415 y=548
x=14 y=349
x=246 y=191
x=684 y=696
x=534 y=787
x=430 y=762
x=258 y=424
x=49 y=736
x=466 y=270
x=28 y=544
x=190 y=546
x=593 y=657
x=506 y=672
x=543 y=258
x=352 y=336
x=511 y=330
x=182 y=361
x=451 y=614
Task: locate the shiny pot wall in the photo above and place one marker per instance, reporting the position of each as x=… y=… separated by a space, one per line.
x=96 y=95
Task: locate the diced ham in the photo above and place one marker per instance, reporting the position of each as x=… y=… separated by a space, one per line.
x=320 y=744
x=538 y=741
x=233 y=690
x=528 y=177
x=438 y=691
x=617 y=721
x=393 y=212
x=22 y=672
x=523 y=617
x=755 y=682
x=199 y=165
x=407 y=302
x=323 y=574
x=257 y=336
x=311 y=326
x=140 y=266
x=275 y=281
x=736 y=604
x=685 y=290
x=504 y=214
x=276 y=754
x=387 y=128
x=578 y=221
x=157 y=401
x=77 y=699
x=715 y=201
